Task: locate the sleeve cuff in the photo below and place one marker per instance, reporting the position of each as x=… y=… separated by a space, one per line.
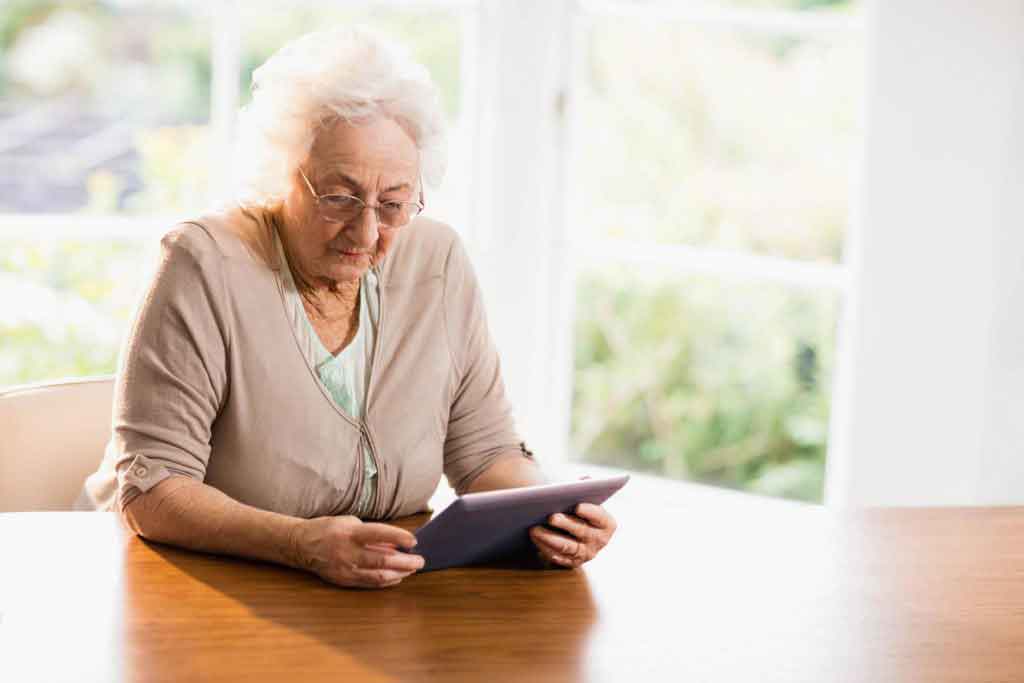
x=137 y=477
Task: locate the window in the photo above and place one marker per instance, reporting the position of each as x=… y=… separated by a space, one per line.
x=104 y=125
x=697 y=208
x=711 y=184
x=115 y=122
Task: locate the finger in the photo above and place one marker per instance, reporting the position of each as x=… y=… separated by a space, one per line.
x=364 y=583
x=376 y=578
x=596 y=515
x=555 y=560
x=383 y=547
x=575 y=526
x=551 y=537
x=373 y=532
x=579 y=551
x=558 y=544
x=404 y=562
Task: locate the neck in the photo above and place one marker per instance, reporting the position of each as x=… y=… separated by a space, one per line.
x=333 y=300
x=328 y=299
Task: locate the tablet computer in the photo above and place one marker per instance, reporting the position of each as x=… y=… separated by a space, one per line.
x=479 y=527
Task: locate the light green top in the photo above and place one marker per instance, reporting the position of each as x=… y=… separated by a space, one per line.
x=346 y=375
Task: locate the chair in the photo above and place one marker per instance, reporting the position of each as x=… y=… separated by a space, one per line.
x=51 y=437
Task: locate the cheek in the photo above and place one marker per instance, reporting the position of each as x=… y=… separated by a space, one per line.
x=384 y=241
x=320 y=235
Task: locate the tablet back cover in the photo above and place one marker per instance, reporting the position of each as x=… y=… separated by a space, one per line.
x=481 y=527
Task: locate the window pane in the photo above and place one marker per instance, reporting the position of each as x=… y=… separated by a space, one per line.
x=434 y=36
x=67 y=304
x=103 y=107
x=68 y=301
x=694 y=378
x=709 y=136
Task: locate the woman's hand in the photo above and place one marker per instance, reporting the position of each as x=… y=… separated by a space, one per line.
x=586 y=533
x=349 y=552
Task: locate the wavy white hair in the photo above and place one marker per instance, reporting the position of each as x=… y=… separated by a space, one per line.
x=349 y=73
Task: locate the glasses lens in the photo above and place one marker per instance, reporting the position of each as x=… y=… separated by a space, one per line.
x=397 y=213
x=337 y=207
x=343 y=208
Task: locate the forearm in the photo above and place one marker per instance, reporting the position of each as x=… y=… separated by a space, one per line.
x=188 y=513
x=508 y=471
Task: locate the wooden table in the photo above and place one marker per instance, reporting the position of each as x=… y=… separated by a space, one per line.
x=698 y=585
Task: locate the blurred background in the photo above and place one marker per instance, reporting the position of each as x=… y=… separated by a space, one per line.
x=696 y=174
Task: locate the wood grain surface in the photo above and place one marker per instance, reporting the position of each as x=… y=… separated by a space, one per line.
x=697 y=585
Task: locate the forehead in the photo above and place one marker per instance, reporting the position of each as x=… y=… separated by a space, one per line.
x=376 y=149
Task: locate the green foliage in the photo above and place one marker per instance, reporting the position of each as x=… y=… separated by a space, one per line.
x=432 y=36
x=692 y=379
x=67 y=305
x=717 y=138
x=29 y=354
x=17 y=14
x=174 y=162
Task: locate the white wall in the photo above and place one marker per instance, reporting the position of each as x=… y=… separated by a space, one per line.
x=929 y=403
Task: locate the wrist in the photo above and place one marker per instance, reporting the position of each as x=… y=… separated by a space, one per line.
x=293 y=550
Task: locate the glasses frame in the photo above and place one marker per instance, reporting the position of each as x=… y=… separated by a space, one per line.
x=363 y=205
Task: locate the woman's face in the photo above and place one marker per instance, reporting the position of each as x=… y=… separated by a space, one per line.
x=376 y=161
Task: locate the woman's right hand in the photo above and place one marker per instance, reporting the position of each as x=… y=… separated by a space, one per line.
x=349 y=552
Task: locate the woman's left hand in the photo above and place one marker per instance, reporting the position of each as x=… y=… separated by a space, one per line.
x=586 y=533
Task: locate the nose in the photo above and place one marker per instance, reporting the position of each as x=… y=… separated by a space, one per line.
x=364 y=229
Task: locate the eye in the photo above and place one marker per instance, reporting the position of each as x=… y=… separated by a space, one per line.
x=339 y=201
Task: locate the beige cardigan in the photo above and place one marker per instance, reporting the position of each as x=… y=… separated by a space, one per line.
x=212 y=384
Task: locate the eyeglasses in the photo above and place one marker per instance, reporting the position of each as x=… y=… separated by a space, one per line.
x=342 y=208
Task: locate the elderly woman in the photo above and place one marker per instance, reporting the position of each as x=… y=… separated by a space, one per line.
x=317 y=353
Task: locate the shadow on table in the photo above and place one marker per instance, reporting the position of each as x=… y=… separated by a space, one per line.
x=507 y=618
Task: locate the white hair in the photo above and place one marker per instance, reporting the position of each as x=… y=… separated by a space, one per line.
x=350 y=73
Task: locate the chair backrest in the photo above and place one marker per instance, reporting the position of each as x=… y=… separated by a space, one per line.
x=51 y=437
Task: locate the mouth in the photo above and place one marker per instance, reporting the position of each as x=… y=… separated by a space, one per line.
x=352 y=253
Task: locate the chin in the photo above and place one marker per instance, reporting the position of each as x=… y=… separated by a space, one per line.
x=346 y=272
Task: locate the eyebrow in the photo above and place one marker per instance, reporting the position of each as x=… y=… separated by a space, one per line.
x=349 y=180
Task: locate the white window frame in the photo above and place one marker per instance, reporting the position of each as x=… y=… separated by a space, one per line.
x=534 y=327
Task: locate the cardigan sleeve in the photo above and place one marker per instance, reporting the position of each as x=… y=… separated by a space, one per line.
x=172 y=378
x=480 y=422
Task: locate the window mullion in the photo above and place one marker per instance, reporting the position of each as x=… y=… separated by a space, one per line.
x=715 y=262
x=518 y=225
